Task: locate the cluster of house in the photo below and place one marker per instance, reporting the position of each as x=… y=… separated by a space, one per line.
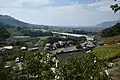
x=17 y=59
x=30 y=49
x=89 y=45
x=6 y=48
x=66 y=47
x=22 y=48
x=57 y=45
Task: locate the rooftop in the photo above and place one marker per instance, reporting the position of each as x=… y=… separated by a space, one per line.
x=68 y=34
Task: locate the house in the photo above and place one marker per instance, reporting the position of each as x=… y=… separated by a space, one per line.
x=90 y=45
x=50 y=47
x=70 y=43
x=88 y=51
x=47 y=45
x=100 y=43
x=61 y=43
x=84 y=44
x=7 y=65
x=17 y=59
x=56 y=45
x=90 y=38
x=1 y=49
x=64 y=37
x=46 y=49
x=33 y=49
x=23 y=48
x=8 y=47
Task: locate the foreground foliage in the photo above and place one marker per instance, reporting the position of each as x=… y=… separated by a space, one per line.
x=46 y=67
x=82 y=68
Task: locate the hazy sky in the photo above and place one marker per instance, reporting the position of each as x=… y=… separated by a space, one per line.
x=60 y=12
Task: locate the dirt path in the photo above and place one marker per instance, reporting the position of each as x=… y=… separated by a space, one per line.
x=115 y=70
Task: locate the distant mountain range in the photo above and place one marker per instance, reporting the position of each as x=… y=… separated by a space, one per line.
x=8 y=21
x=108 y=24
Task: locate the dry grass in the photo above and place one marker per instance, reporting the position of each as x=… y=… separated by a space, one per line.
x=112 y=40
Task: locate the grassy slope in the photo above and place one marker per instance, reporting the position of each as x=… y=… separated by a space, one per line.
x=107 y=52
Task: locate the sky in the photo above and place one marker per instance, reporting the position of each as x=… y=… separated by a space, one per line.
x=60 y=12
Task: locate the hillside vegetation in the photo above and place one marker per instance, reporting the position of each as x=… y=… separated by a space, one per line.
x=111 y=31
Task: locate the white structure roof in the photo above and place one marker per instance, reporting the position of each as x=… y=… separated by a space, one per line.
x=68 y=34
x=48 y=44
x=8 y=47
x=23 y=48
x=30 y=49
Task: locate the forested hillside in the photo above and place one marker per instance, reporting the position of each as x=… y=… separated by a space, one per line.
x=111 y=31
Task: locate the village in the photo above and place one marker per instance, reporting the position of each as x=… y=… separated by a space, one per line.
x=63 y=49
x=61 y=45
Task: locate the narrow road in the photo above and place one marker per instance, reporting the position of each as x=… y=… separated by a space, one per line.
x=37 y=43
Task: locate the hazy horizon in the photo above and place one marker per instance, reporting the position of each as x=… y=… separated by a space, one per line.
x=60 y=12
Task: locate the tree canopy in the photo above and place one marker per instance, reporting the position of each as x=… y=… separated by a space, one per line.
x=115 y=7
x=4 y=33
x=111 y=31
x=36 y=33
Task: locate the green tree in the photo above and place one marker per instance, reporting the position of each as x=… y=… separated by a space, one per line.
x=4 y=33
x=115 y=7
x=35 y=67
x=82 y=68
x=51 y=40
